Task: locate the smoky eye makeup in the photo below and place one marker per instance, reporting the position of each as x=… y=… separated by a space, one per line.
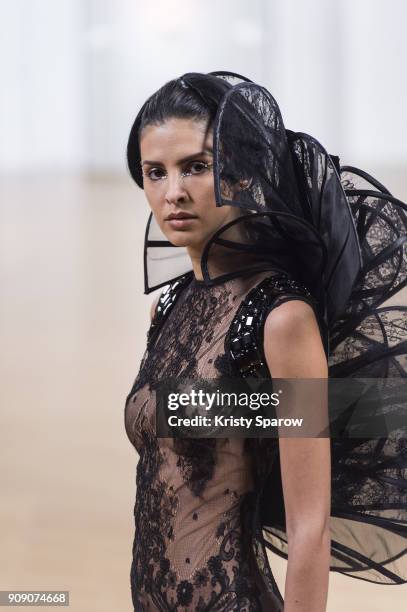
x=154 y=173
x=193 y=167
x=198 y=166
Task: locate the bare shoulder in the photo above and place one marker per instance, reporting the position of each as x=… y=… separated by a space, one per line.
x=291 y=317
x=292 y=341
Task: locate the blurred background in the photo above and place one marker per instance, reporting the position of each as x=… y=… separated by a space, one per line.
x=73 y=315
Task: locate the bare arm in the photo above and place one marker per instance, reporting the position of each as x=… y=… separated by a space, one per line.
x=293 y=349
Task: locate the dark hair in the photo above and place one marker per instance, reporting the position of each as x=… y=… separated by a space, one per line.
x=175 y=99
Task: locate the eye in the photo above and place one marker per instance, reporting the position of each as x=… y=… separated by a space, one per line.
x=155 y=174
x=197 y=167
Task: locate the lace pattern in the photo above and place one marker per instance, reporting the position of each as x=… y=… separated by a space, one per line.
x=190 y=551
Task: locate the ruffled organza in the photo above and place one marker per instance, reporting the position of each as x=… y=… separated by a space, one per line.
x=369 y=341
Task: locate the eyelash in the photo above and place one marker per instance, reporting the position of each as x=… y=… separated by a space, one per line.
x=205 y=166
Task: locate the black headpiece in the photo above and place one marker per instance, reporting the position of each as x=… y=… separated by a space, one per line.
x=295 y=214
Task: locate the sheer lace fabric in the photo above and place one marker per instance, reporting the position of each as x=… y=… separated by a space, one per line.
x=191 y=551
x=207 y=510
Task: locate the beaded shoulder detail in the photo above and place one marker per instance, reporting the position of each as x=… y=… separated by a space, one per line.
x=165 y=303
x=244 y=340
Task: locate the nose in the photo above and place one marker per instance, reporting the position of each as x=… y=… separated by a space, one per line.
x=175 y=189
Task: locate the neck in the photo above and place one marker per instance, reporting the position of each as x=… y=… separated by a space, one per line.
x=195 y=256
x=221 y=259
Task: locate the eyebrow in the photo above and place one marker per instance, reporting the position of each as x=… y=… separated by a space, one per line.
x=180 y=161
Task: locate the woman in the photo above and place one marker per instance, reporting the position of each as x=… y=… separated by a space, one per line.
x=251 y=227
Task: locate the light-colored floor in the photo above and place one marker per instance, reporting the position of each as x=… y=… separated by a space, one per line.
x=72 y=330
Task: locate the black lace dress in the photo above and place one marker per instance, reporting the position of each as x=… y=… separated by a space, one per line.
x=190 y=548
x=207 y=510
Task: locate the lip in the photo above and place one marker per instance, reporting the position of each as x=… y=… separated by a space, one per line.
x=180 y=220
x=181 y=223
x=180 y=215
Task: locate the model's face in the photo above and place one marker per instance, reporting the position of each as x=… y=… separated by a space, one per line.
x=178 y=182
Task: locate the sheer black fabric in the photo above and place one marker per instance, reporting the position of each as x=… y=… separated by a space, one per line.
x=340 y=233
x=369 y=495
x=193 y=545
x=369 y=476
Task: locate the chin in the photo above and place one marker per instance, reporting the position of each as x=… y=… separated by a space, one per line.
x=183 y=239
